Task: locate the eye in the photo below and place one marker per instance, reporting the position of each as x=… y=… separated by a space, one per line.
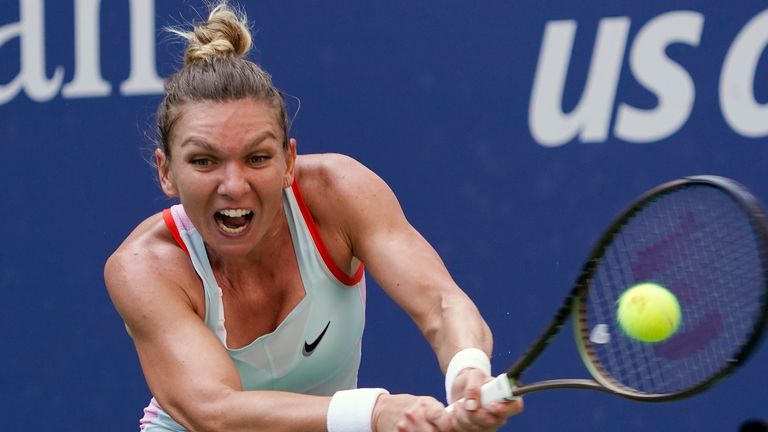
x=258 y=159
x=201 y=162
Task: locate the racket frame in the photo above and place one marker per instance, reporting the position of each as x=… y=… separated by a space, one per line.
x=575 y=306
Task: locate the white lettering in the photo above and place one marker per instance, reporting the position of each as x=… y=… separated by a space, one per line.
x=666 y=79
x=32 y=75
x=737 y=79
x=87 y=81
x=10 y=90
x=590 y=119
x=143 y=78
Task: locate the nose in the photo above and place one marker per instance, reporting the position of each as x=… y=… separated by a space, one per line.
x=234 y=183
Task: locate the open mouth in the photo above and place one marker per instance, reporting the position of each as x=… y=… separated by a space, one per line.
x=233 y=221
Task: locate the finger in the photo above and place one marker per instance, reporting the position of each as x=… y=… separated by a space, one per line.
x=506 y=409
x=409 y=423
x=472 y=390
x=438 y=417
x=428 y=415
x=488 y=418
x=401 y=426
x=470 y=421
x=414 y=416
x=482 y=419
x=485 y=420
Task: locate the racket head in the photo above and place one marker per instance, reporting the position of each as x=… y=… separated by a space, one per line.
x=703 y=238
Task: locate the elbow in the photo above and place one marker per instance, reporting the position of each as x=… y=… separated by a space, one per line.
x=201 y=414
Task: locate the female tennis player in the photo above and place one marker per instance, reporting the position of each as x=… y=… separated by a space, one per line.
x=246 y=300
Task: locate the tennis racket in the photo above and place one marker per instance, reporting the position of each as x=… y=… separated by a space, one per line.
x=705 y=239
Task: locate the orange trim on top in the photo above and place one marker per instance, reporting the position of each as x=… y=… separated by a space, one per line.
x=171 y=224
x=337 y=272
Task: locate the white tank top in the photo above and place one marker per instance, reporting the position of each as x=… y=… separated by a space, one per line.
x=316 y=348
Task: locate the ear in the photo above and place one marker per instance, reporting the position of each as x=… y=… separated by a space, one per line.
x=164 y=174
x=290 y=163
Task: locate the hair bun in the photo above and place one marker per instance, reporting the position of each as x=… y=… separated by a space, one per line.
x=225 y=33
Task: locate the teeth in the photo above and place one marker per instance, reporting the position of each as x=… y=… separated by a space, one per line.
x=232 y=230
x=235 y=212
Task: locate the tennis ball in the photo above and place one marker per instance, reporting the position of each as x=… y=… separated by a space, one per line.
x=648 y=312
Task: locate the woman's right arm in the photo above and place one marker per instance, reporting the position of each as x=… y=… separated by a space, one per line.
x=188 y=370
x=186 y=367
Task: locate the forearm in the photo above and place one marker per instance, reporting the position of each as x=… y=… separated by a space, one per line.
x=456 y=324
x=413 y=274
x=281 y=411
x=273 y=411
x=234 y=410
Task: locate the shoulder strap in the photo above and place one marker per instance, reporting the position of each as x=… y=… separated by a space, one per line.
x=337 y=272
x=174 y=230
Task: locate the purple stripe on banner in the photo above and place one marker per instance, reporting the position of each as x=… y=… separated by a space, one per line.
x=685 y=292
x=658 y=255
x=692 y=341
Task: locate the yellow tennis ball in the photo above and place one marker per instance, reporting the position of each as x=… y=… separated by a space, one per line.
x=648 y=312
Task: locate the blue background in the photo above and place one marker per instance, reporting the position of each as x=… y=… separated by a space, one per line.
x=434 y=97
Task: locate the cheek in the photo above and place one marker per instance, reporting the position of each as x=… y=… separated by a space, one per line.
x=191 y=187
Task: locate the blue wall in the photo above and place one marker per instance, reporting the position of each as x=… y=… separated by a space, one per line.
x=511 y=171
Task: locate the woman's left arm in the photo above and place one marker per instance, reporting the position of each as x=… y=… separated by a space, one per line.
x=411 y=272
x=402 y=262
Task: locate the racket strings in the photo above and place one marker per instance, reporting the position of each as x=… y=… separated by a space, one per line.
x=700 y=244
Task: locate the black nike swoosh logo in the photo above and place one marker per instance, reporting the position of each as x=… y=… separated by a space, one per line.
x=309 y=348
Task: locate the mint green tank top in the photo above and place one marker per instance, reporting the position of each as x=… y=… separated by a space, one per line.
x=316 y=348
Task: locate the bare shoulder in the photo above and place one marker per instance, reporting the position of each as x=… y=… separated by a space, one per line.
x=332 y=171
x=143 y=249
x=337 y=181
x=147 y=269
x=344 y=194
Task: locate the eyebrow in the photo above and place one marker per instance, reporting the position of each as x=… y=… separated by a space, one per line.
x=196 y=142
x=208 y=146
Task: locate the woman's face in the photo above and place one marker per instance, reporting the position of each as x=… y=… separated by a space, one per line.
x=228 y=167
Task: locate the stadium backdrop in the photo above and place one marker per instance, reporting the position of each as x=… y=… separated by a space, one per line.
x=512 y=133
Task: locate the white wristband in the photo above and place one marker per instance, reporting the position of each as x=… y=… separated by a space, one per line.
x=351 y=410
x=466 y=358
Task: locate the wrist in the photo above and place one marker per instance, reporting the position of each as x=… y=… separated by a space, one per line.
x=352 y=410
x=467 y=358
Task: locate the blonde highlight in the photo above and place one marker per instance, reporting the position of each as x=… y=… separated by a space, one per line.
x=225 y=33
x=216 y=69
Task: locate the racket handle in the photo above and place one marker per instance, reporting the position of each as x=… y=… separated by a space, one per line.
x=496 y=390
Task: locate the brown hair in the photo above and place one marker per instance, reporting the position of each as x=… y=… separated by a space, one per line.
x=215 y=69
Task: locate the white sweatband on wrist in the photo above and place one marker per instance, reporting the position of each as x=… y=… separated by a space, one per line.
x=466 y=358
x=351 y=410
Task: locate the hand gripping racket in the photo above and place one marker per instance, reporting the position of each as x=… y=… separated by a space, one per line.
x=704 y=238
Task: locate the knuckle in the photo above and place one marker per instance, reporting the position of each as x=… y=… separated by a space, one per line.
x=425 y=401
